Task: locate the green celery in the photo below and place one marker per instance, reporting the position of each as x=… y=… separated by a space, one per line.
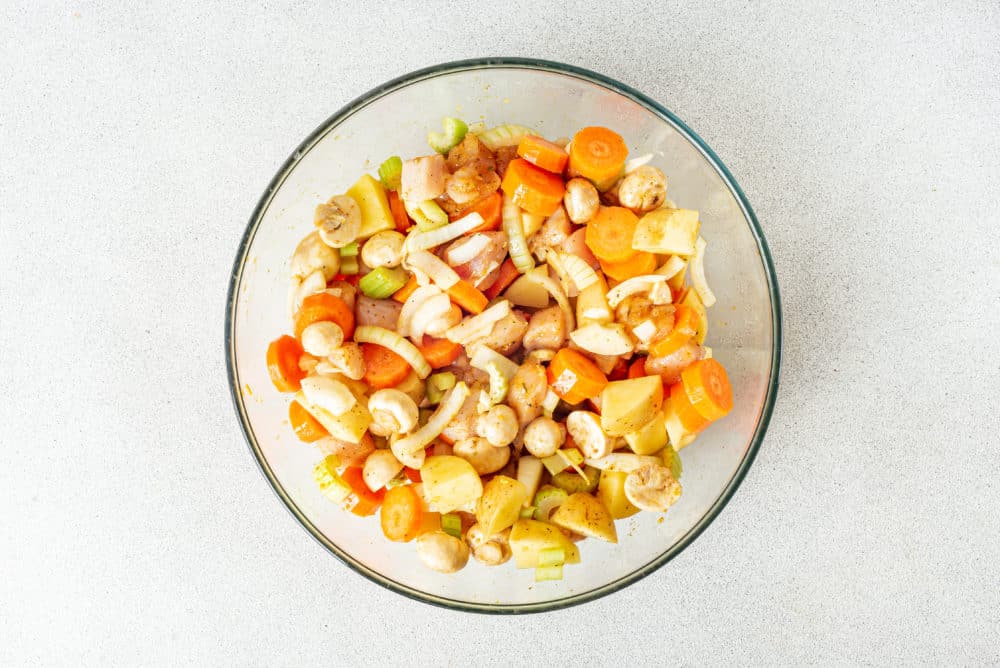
x=350 y=250
x=451 y=524
x=454 y=132
x=551 y=556
x=390 y=171
x=349 y=266
x=438 y=384
x=382 y=282
x=544 y=573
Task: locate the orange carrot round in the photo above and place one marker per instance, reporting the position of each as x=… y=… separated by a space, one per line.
x=490 y=208
x=305 y=425
x=283 y=364
x=401 y=514
x=383 y=368
x=362 y=501
x=638 y=368
x=534 y=190
x=399 y=215
x=323 y=306
x=574 y=376
x=508 y=274
x=685 y=326
x=439 y=353
x=404 y=292
x=680 y=405
x=597 y=154
x=642 y=263
x=543 y=153
x=609 y=234
x=707 y=386
x=468 y=297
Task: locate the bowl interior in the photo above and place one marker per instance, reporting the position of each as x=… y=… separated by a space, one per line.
x=394 y=120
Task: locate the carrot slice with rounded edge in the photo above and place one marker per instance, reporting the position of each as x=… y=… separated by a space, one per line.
x=404 y=292
x=707 y=386
x=574 y=376
x=283 y=364
x=508 y=274
x=642 y=263
x=412 y=474
x=597 y=154
x=534 y=190
x=468 y=297
x=323 y=306
x=401 y=514
x=362 y=501
x=399 y=215
x=609 y=234
x=543 y=153
x=620 y=370
x=305 y=425
x=638 y=368
x=685 y=327
x=439 y=353
x=690 y=419
x=383 y=368
x=490 y=208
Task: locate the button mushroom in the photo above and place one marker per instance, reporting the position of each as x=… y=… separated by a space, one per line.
x=311 y=255
x=383 y=249
x=498 y=425
x=581 y=200
x=484 y=457
x=643 y=190
x=544 y=436
x=348 y=360
x=442 y=552
x=338 y=221
x=380 y=467
x=585 y=428
x=322 y=338
x=489 y=550
x=652 y=487
x=393 y=412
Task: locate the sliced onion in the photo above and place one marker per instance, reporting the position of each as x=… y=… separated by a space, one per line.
x=517 y=244
x=445 y=413
x=420 y=310
x=581 y=273
x=636 y=163
x=467 y=249
x=483 y=356
x=603 y=339
x=671 y=267
x=480 y=325
x=395 y=343
x=545 y=281
x=329 y=394
x=433 y=267
x=622 y=461
x=632 y=286
x=418 y=241
x=698 y=273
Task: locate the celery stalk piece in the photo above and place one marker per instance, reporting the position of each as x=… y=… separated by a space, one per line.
x=543 y=573
x=527 y=512
x=331 y=485
x=382 y=282
x=438 y=384
x=349 y=266
x=551 y=556
x=454 y=132
x=547 y=500
x=451 y=524
x=389 y=172
x=350 y=250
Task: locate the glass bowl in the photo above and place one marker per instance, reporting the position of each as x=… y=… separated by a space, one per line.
x=555 y=99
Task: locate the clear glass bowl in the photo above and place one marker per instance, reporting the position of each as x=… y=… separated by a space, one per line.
x=556 y=99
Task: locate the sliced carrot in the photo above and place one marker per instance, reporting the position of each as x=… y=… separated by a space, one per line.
x=685 y=327
x=383 y=368
x=361 y=501
x=574 y=376
x=323 y=306
x=642 y=263
x=412 y=474
x=534 y=190
x=620 y=370
x=638 y=368
x=401 y=514
x=609 y=234
x=508 y=274
x=439 y=353
x=468 y=297
x=489 y=208
x=707 y=386
x=283 y=364
x=399 y=215
x=543 y=153
x=597 y=154
x=680 y=405
x=305 y=425
x=404 y=292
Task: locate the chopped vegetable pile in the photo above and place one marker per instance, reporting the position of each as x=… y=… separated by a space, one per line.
x=496 y=348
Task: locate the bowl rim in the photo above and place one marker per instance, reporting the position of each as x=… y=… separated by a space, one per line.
x=485 y=64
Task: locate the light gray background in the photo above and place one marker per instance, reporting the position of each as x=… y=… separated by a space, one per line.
x=136 y=529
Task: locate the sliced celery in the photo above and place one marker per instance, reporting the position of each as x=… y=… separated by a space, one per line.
x=547 y=500
x=672 y=460
x=508 y=134
x=573 y=482
x=390 y=171
x=451 y=524
x=551 y=556
x=527 y=512
x=331 y=485
x=454 y=133
x=438 y=384
x=349 y=266
x=428 y=215
x=350 y=250
x=544 y=573
x=382 y=282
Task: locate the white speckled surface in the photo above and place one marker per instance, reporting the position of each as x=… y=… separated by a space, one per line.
x=136 y=529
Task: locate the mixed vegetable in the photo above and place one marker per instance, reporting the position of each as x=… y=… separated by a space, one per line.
x=496 y=346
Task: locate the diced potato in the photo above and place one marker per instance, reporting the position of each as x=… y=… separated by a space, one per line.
x=586 y=515
x=611 y=492
x=526 y=292
x=450 y=483
x=679 y=437
x=650 y=438
x=500 y=505
x=351 y=426
x=529 y=537
x=694 y=301
x=668 y=231
x=626 y=405
x=375 y=212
